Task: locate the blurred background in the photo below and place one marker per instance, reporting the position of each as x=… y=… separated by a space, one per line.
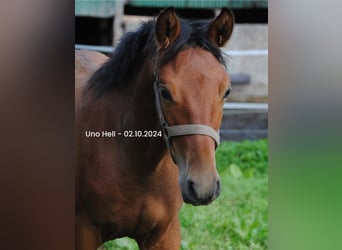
x=99 y=25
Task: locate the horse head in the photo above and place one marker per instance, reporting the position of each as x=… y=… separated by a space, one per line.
x=191 y=89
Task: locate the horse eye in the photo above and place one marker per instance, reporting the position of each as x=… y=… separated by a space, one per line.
x=227 y=93
x=165 y=94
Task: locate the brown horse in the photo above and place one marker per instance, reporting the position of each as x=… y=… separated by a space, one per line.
x=147 y=122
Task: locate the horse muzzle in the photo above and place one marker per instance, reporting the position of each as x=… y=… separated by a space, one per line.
x=203 y=192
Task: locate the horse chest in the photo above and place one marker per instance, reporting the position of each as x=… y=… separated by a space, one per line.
x=139 y=217
x=126 y=204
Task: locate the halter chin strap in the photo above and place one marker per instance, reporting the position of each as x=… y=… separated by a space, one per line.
x=179 y=130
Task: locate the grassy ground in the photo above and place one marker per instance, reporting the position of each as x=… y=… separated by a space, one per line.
x=237 y=220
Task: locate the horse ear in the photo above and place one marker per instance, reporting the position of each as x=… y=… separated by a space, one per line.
x=167 y=27
x=221 y=27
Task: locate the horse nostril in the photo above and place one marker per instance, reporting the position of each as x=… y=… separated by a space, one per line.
x=191 y=188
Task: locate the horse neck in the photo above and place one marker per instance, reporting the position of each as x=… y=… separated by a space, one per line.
x=138 y=114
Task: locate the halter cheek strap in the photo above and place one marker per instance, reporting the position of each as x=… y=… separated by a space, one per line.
x=179 y=130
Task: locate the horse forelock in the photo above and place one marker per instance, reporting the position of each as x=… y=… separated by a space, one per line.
x=193 y=34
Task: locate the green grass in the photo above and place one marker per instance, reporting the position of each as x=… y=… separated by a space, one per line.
x=237 y=220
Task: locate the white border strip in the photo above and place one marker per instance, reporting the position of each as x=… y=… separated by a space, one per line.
x=251 y=52
x=106 y=49
x=245 y=106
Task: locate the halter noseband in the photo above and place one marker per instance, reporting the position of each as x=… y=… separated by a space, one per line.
x=178 y=130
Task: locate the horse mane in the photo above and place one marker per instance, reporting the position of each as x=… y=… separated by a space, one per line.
x=141 y=44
